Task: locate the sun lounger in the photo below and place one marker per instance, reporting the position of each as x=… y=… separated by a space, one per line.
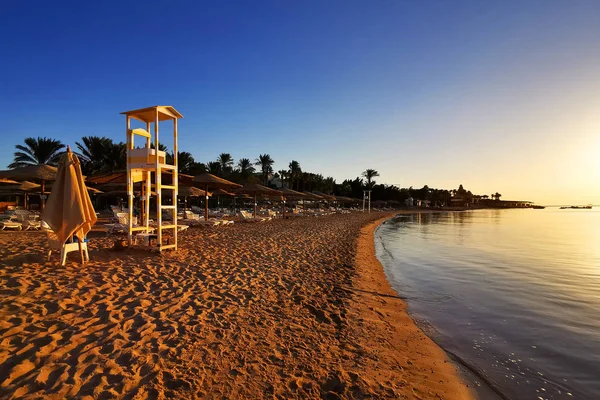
x=122 y=225
x=10 y=224
x=246 y=216
x=194 y=219
x=28 y=219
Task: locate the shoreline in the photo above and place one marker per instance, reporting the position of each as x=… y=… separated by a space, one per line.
x=281 y=309
x=396 y=349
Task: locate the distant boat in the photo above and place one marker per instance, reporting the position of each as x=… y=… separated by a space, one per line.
x=538 y=207
x=588 y=207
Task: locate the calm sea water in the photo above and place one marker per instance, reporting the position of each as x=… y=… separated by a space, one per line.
x=513 y=294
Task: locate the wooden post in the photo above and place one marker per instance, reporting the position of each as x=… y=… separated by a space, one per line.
x=158 y=182
x=147 y=183
x=42 y=201
x=129 y=182
x=206 y=203
x=175 y=181
x=283 y=208
x=81 y=252
x=254 y=204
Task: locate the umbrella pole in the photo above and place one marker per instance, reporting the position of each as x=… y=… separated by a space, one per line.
x=206 y=204
x=254 y=204
x=42 y=195
x=184 y=206
x=284 y=209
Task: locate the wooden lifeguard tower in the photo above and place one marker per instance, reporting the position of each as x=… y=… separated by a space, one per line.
x=141 y=164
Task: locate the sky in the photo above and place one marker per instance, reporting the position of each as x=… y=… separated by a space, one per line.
x=495 y=95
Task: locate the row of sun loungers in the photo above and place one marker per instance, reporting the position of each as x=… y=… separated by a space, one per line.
x=20 y=220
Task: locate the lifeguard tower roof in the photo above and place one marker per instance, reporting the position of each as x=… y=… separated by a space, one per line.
x=148 y=114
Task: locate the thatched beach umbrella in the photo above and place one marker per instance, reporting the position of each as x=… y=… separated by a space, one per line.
x=326 y=197
x=310 y=197
x=8 y=186
x=210 y=181
x=40 y=173
x=344 y=199
x=254 y=189
x=69 y=211
x=190 y=191
x=8 y=182
x=291 y=194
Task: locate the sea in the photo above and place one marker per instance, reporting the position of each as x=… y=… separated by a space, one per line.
x=513 y=295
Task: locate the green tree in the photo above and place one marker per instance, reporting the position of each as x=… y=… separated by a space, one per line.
x=245 y=169
x=92 y=152
x=226 y=162
x=266 y=166
x=294 y=176
x=369 y=174
x=283 y=175
x=37 y=151
x=214 y=167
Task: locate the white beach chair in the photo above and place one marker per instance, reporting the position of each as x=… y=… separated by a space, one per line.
x=123 y=224
x=71 y=245
x=246 y=216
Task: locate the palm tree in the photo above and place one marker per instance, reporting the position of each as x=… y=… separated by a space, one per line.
x=369 y=174
x=214 y=167
x=283 y=174
x=185 y=161
x=116 y=157
x=37 y=151
x=295 y=172
x=497 y=196
x=93 y=152
x=226 y=162
x=266 y=166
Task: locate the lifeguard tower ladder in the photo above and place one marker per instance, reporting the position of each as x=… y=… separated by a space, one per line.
x=145 y=161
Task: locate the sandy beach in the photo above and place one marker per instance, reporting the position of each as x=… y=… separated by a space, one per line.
x=286 y=309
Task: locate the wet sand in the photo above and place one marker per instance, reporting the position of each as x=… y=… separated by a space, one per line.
x=286 y=309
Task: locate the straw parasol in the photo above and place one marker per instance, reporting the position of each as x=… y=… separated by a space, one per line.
x=190 y=191
x=69 y=210
x=41 y=172
x=344 y=199
x=210 y=181
x=7 y=182
x=290 y=194
x=121 y=177
x=8 y=186
x=326 y=197
x=312 y=196
x=254 y=189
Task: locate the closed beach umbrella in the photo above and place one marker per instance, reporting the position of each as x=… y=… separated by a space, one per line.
x=40 y=173
x=209 y=181
x=69 y=210
x=254 y=189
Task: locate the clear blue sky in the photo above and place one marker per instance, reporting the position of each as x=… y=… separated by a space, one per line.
x=496 y=95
